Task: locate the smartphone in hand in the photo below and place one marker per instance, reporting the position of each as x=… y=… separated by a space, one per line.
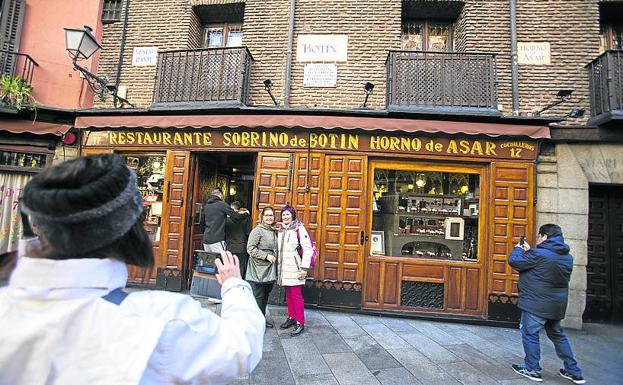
x=522 y=240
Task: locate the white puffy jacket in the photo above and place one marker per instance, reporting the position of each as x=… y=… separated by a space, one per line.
x=56 y=329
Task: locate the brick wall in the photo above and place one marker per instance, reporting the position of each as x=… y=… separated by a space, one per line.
x=152 y=23
x=373 y=27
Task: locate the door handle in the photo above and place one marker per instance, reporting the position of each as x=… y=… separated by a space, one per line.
x=363 y=238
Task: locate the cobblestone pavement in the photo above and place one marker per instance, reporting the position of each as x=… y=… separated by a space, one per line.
x=351 y=349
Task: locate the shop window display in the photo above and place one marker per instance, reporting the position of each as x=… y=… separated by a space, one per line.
x=150 y=179
x=426 y=214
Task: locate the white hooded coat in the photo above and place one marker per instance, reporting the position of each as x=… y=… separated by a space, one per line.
x=290 y=263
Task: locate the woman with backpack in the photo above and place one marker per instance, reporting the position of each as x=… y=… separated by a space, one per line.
x=295 y=256
x=262 y=267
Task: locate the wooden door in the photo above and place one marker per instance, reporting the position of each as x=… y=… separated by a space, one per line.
x=343 y=221
x=274 y=180
x=307 y=193
x=604 y=271
x=177 y=177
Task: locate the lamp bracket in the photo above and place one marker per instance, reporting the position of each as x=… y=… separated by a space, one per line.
x=100 y=85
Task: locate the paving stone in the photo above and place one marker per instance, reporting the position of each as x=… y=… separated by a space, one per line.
x=349 y=370
x=371 y=353
x=315 y=318
x=240 y=381
x=316 y=379
x=303 y=356
x=273 y=369
x=344 y=325
x=395 y=376
x=467 y=374
x=397 y=325
x=435 y=333
x=429 y=348
x=421 y=367
x=271 y=341
x=327 y=340
x=363 y=319
x=385 y=337
x=496 y=369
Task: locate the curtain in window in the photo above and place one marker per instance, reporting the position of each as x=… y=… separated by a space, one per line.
x=11 y=185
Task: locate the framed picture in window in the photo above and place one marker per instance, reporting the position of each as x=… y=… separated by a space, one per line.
x=377 y=246
x=455 y=228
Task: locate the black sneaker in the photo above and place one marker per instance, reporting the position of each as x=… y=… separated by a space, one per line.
x=531 y=374
x=269 y=324
x=297 y=330
x=289 y=323
x=571 y=377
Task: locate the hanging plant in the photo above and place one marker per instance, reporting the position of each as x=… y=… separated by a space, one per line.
x=15 y=92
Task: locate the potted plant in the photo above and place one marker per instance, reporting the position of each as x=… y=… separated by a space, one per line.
x=15 y=92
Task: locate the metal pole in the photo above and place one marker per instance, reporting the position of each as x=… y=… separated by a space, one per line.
x=514 y=67
x=286 y=93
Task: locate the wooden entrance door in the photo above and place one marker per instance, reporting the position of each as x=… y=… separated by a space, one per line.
x=604 y=272
x=274 y=180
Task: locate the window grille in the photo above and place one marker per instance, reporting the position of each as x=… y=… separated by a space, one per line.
x=111 y=11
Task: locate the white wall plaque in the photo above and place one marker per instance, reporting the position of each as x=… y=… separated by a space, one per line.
x=145 y=56
x=533 y=53
x=320 y=75
x=321 y=48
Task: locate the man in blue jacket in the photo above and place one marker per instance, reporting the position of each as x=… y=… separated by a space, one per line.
x=544 y=273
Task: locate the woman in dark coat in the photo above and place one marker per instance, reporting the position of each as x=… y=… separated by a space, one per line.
x=262 y=266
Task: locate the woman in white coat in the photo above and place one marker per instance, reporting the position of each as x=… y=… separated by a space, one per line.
x=295 y=253
x=64 y=318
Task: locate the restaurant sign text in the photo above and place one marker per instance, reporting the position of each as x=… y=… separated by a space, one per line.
x=299 y=139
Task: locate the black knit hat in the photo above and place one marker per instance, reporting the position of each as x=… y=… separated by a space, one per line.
x=83 y=204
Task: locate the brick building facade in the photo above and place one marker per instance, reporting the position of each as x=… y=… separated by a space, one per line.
x=568 y=35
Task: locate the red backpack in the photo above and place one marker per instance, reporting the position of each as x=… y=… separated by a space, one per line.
x=299 y=249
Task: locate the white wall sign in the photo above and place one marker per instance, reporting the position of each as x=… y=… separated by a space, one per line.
x=320 y=75
x=322 y=48
x=533 y=53
x=145 y=56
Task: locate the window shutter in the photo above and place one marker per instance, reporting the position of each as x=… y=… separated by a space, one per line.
x=10 y=32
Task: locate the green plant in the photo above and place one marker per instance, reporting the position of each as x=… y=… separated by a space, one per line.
x=15 y=92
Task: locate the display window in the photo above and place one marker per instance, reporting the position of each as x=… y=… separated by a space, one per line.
x=425 y=213
x=150 y=171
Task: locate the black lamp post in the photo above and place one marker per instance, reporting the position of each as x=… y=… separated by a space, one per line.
x=81 y=45
x=368 y=88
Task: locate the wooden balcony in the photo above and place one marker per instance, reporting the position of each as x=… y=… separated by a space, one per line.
x=442 y=82
x=203 y=77
x=17 y=64
x=606 y=88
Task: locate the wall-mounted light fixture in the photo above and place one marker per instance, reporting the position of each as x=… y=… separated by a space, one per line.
x=368 y=87
x=576 y=113
x=563 y=96
x=81 y=45
x=268 y=86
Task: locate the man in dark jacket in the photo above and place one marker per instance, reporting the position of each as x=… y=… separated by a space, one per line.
x=544 y=273
x=215 y=214
x=236 y=236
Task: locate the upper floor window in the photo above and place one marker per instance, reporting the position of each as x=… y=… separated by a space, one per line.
x=425 y=35
x=611 y=36
x=111 y=11
x=223 y=35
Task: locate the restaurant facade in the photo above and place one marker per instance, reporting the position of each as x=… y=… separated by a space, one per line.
x=410 y=215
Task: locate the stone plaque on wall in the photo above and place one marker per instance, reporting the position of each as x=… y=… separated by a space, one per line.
x=533 y=53
x=320 y=75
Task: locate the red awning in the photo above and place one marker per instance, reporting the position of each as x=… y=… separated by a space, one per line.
x=39 y=128
x=314 y=121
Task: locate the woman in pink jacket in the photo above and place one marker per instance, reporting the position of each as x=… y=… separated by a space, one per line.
x=295 y=253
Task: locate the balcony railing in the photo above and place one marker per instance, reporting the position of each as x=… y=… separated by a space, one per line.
x=200 y=76
x=606 y=83
x=438 y=81
x=17 y=64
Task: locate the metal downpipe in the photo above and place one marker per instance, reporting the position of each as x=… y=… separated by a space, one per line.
x=288 y=75
x=514 y=66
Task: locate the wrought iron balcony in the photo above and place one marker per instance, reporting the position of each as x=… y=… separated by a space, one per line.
x=17 y=64
x=201 y=77
x=606 y=87
x=442 y=82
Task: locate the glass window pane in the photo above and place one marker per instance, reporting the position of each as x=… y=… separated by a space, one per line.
x=234 y=38
x=214 y=37
x=150 y=179
x=425 y=214
x=412 y=36
x=438 y=37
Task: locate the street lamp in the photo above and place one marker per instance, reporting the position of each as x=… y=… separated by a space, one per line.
x=81 y=45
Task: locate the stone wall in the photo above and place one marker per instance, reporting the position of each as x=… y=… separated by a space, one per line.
x=563 y=180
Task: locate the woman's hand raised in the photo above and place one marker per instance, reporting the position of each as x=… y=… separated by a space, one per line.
x=227 y=267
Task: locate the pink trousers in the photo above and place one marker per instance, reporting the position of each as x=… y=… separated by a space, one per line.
x=296 y=305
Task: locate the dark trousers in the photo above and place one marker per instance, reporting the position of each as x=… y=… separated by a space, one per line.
x=261 y=291
x=244 y=260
